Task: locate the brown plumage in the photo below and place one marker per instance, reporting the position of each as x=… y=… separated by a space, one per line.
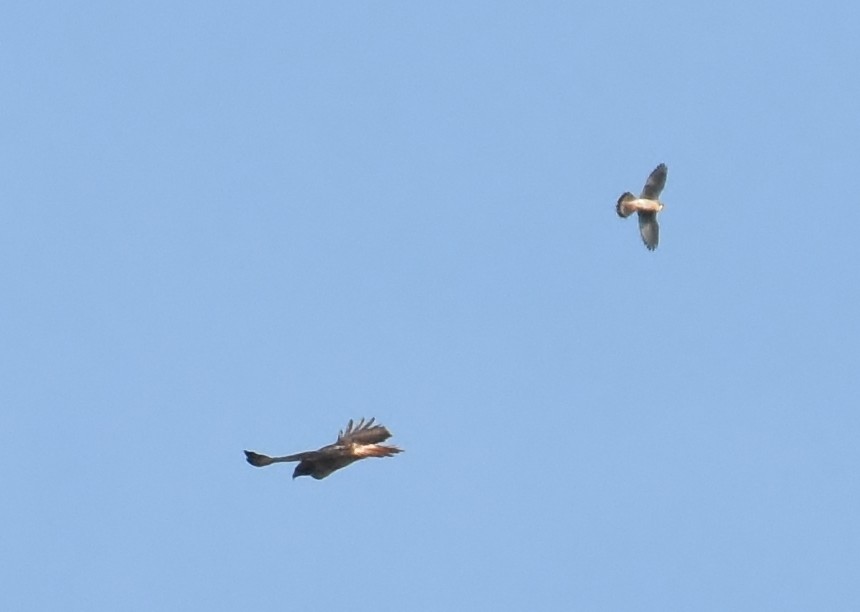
x=353 y=443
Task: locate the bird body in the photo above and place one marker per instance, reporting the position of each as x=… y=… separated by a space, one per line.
x=353 y=443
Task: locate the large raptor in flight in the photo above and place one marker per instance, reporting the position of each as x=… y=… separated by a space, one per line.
x=353 y=443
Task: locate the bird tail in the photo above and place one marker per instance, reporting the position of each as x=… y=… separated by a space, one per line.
x=622 y=210
x=258 y=460
x=377 y=450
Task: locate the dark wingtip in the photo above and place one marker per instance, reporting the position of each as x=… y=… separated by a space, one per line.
x=256 y=459
x=648 y=245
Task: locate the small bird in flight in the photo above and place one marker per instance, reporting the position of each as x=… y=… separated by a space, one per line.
x=648 y=204
x=352 y=444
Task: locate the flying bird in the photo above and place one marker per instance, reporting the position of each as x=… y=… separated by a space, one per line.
x=647 y=205
x=353 y=443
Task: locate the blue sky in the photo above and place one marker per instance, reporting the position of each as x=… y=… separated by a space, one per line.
x=228 y=226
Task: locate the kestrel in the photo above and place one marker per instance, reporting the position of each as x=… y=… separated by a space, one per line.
x=352 y=444
x=647 y=205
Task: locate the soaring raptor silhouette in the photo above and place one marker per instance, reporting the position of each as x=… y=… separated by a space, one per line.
x=353 y=443
x=648 y=204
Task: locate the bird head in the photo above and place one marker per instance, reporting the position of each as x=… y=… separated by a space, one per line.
x=302 y=469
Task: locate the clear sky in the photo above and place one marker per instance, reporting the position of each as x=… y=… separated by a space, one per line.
x=238 y=225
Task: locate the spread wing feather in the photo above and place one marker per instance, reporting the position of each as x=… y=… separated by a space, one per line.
x=363 y=433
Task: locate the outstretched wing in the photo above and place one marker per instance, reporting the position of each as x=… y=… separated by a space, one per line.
x=655 y=183
x=260 y=460
x=363 y=433
x=649 y=229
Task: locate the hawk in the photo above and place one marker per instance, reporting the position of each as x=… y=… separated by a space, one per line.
x=353 y=443
x=648 y=204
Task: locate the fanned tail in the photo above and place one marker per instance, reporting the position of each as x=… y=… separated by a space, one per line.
x=622 y=210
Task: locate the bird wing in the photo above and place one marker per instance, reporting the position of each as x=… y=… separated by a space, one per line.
x=260 y=460
x=655 y=183
x=649 y=229
x=363 y=433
